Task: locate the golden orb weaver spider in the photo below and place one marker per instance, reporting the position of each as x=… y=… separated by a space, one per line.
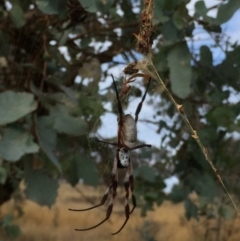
x=126 y=142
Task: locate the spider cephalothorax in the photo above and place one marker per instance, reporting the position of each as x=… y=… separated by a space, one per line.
x=126 y=142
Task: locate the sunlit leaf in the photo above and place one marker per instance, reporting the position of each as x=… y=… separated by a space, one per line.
x=18 y=105
x=15 y=143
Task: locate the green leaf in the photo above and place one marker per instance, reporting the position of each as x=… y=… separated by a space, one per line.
x=7 y=220
x=179 y=60
x=17 y=16
x=64 y=122
x=180 y=16
x=5 y=45
x=200 y=8
x=169 y=32
x=201 y=11
x=102 y=6
x=178 y=194
x=209 y=190
x=205 y=56
x=89 y=6
x=226 y=11
x=227 y=212
x=190 y=209
x=18 y=105
x=146 y=172
x=15 y=143
x=40 y=187
x=48 y=139
x=12 y=231
x=3 y=175
x=159 y=15
x=83 y=167
x=52 y=7
x=222 y=116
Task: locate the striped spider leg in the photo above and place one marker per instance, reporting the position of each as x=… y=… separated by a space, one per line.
x=126 y=142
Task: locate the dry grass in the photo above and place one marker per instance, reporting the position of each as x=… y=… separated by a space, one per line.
x=167 y=222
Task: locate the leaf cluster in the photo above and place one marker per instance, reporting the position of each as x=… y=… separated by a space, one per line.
x=53 y=56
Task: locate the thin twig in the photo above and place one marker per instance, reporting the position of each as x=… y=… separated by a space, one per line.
x=148 y=68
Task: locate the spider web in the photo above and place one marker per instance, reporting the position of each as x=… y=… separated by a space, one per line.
x=109 y=99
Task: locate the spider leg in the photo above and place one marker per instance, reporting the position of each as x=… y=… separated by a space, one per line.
x=109 y=143
x=129 y=186
x=120 y=111
x=139 y=146
x=113 y=188
x=109 y=211
x=104 y=198
x=138 y=110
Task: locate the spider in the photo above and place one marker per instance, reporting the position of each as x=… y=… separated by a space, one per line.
x=126 y=142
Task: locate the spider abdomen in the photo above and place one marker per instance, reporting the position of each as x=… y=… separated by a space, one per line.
x=129 y=131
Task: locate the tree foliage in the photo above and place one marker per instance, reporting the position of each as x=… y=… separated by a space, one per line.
x=51 y=106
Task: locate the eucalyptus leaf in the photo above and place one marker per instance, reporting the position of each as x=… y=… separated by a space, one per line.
x=64 y=122
x=40 y=188
x=7 y=220
x=223 y=115
x=15 y=143
x=205 y=186
x=146 y=172
x=169 y=32
x=15 y=106
x=159 y=14
x=205 y=56
x=12 y=231
x=226 y=11
x=52 y=7
x=48 y=139
x=89 y=5
x=3 y=175
x=82 y=167
x=200 y=8
x=5 y=44
x=104 y=6
x=179 y=62
x=17 y=16
x=190 y=209
x=178 y=194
